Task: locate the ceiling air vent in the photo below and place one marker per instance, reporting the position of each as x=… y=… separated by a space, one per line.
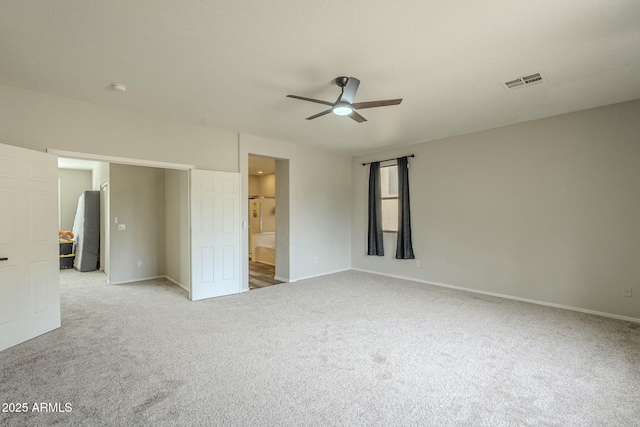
x=523 y=81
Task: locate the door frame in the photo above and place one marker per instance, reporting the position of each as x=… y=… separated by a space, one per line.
x=105 y=227
x=284 y=191
x=123 y=161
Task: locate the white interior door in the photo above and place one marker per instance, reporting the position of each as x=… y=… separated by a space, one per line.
x=29 y=249
x=215 y=234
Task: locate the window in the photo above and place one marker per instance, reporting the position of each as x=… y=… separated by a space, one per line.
x=389 y=186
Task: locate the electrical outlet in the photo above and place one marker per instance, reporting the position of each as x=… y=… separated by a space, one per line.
x=417 y=263
x=139 y=263
x=315 y=259
x=627 y=292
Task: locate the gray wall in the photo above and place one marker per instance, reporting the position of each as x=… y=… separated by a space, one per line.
x=72 y=183
x=545 y=210
x=283 y=219
x=322 y=211
x=176 y=227
x=138 y=201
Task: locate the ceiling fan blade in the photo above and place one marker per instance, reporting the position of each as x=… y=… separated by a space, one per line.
x=317 y=101
x=319 y=114
x=349 y=93
x=372 y=104
x=357 y=117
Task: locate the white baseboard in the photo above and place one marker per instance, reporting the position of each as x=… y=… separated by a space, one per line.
x=137 y=280
x=175 y=282
x=282 y=279
x=320 y=275
x=511 y=297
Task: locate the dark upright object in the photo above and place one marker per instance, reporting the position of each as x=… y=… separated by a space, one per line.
x=86 y=228
x=404 y=247
x=376 y=246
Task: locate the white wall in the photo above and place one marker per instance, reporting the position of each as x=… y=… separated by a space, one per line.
x=138 y=201
x=72 y=183
x=545 y=210
x=40 y=121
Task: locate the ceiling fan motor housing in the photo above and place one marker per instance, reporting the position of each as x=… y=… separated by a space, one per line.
x=342 y=81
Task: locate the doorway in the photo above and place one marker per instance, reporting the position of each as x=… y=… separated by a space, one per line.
x=80 y=214
x=144 y=217
x=262 y=220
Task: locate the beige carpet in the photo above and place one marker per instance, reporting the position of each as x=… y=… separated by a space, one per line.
x=348 y=349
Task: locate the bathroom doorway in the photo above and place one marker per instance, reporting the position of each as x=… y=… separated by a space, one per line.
x=262 y=208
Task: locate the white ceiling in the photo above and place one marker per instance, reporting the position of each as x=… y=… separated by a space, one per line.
x=229 y=64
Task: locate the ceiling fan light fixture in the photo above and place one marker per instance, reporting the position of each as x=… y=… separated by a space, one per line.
x=346 y=105
x=342 y=109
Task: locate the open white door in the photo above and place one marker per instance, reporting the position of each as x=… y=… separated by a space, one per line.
x=29 y=250
x=215 y=234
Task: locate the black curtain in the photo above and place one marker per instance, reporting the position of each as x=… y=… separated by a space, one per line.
x=376 y=247
x=404 y=247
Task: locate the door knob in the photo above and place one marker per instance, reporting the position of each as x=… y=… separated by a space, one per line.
x=4 y=259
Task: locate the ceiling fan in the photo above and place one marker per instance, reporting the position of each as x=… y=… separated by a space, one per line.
x=344 y=105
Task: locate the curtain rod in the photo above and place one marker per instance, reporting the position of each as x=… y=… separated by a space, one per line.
x=386 y=160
